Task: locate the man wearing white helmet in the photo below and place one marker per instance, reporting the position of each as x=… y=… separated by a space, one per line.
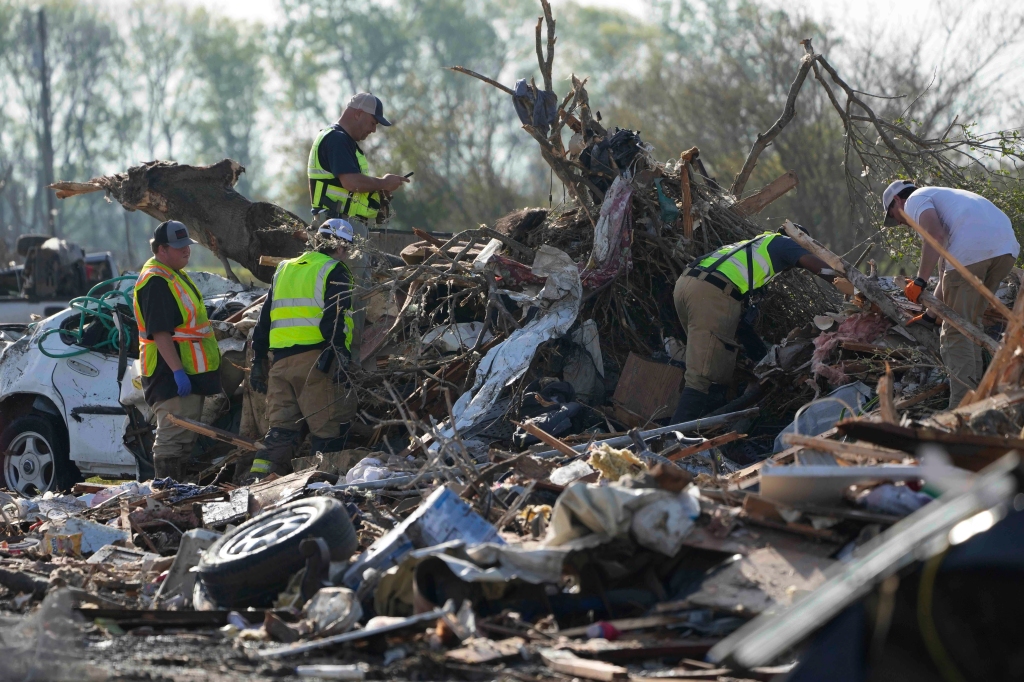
x=977 y=234
x=306 y=325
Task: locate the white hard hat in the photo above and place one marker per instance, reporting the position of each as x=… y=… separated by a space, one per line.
x=337 y=228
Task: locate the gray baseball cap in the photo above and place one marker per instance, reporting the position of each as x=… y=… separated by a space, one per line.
x=368 y=102
x=172 y=233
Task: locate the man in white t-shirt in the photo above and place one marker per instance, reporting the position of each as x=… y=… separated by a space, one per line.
x=978 y=235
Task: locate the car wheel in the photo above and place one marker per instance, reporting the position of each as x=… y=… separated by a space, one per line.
x=251 y=564
x=36 y=456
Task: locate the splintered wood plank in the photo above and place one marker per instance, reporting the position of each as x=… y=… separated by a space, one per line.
x=760 y=199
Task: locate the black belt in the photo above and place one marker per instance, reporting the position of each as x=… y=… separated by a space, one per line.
x=717 y=280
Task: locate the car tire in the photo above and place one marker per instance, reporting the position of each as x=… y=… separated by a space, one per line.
x=251 y=564
x=36 y=456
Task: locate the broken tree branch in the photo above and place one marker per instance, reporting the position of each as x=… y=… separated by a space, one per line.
x=764 y=139
x=485 y=79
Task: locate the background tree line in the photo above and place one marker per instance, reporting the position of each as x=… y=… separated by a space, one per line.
x=131 y=83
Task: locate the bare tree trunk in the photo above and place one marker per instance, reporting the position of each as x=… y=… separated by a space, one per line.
x=46 y=137
x=204 y=198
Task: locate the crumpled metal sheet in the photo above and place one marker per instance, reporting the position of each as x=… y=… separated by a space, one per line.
x=559 y=303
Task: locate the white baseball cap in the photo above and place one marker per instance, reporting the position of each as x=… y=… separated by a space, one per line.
x=366 y=101
x=337 y=228
x=889 y=194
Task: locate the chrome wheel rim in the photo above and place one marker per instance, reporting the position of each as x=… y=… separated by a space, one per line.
x=271 y=530
x=30 y=464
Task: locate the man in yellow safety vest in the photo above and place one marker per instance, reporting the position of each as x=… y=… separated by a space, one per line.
x=710 y=297
x=340 y=183
x=178 y=353
x=306 y=325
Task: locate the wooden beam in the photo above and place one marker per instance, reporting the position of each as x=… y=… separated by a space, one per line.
x=967 y=274
x=959 y=323
x=870 y=288
x=760 y=199
x=853 y=452
x=547 y=438
x=215 y=433
x=684 y=190
x=706 y=445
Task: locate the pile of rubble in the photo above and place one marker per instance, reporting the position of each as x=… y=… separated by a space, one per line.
x=512 y=503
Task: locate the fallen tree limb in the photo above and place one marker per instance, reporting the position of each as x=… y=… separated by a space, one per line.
x=204 y=198
x=764 y=139
x=871 y=290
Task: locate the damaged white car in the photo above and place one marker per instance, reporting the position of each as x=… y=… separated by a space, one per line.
x=71 y=402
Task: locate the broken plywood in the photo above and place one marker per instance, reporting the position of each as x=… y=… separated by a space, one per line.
x=646 y=390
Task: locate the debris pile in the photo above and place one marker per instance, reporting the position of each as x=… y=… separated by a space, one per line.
x=512 y=501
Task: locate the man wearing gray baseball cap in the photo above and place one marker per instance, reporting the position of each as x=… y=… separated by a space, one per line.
x=976 y=233
x=341 y=186
x=178 y=354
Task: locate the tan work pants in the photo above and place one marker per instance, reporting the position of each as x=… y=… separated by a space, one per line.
x=173 y=442
x=961 y=356
x=710 y=318
x=297 y=391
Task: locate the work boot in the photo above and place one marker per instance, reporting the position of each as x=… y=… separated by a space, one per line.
x=692 y=404
x=169 y=467
x=325 y=445
x=279 y=447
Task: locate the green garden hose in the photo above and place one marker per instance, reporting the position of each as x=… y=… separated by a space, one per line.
x=102 y=308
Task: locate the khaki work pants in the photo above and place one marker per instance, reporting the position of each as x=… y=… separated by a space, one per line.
x=173 y=443
x=961 y=356
x=297 y=391
x=710 y=318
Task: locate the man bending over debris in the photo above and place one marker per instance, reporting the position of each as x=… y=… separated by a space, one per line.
x=977 y=234
x=710 y=297
x=177 y=348
x=306 y=323
x=340 y=184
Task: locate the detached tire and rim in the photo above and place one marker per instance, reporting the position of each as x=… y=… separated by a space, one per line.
x=35 y=456
x=251 y=564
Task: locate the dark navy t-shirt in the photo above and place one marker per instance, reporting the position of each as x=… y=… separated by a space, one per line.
x=337 y=152
x=785 y=253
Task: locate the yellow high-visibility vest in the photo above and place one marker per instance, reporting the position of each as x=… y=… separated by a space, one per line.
x=747 y=264
x=194 y=337
x=326 y=193
x=298 y=301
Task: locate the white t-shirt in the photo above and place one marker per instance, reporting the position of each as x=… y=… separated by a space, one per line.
x=977 y=229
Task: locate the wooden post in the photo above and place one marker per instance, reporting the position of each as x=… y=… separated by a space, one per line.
x=684 y=187
x=868 y=287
